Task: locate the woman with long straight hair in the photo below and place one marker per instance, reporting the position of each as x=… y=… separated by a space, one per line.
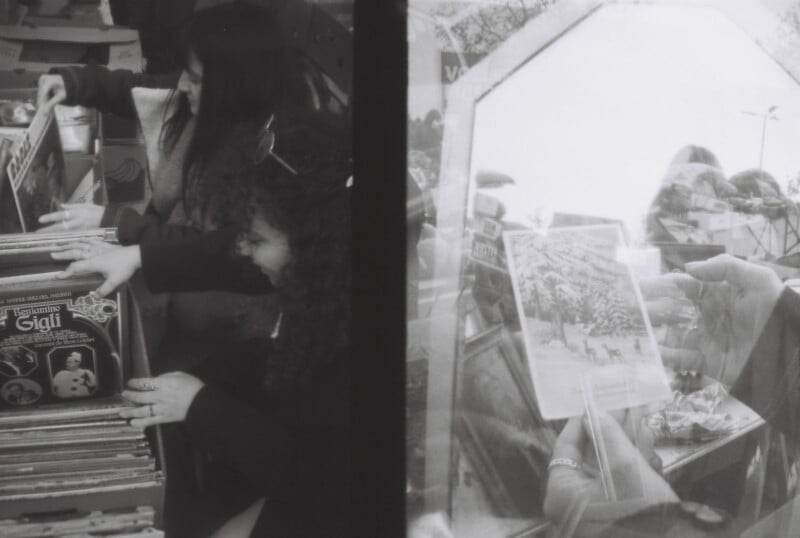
x=235 y=73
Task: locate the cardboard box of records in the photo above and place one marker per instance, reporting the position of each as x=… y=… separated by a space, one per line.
x=68 y=463
x=44 y=41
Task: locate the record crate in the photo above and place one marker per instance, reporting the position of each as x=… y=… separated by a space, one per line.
x=45 y=323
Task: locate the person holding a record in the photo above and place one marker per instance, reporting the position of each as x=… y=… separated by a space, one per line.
x=760 y=341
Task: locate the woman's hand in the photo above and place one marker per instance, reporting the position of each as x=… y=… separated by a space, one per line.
x=576 y=495
x=672 y=302
x=736 y=302
x=51 y=91
x=710 y=319
x=72 y=217
x=116 y=263
x=83 y=249
x=162 y=399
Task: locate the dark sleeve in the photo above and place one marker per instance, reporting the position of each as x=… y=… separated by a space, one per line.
x=770 y=381
x=134 y=228
x=296 y=450
x=108 y=91
x=248 y=439
x=130 y=224
x=200 y=261
x=241 y=376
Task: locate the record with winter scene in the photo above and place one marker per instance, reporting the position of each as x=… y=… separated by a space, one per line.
x=583 y=321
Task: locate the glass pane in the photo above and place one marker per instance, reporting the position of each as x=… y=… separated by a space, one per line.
x=568 y=161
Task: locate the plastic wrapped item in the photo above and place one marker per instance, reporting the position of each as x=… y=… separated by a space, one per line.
x=16 y=113
x=694 y=417
x=75 y=128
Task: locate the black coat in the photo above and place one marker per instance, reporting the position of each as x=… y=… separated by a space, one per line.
x=293 y=449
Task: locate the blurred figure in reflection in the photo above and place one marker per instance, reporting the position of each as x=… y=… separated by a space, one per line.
x=501 y=424
x=696 y=154
x=694 y=180
x=756 y=182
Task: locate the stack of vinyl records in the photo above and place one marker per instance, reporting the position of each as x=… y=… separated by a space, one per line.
x=127 y=523
x=29 y=254
x=63 y=445
x=55 y=450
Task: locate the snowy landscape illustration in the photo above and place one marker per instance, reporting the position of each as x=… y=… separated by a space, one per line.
x=580 y=308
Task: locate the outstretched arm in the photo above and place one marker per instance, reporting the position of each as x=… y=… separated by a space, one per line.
x=99 y=87
x=201 y=261
x=198 y=261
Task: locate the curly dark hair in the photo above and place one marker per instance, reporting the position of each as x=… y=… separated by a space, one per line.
x=309 y=140
x=313 y=209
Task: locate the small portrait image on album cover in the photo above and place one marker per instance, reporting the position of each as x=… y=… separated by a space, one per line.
x=21 y=391
x=16 y=361
x=74 y=371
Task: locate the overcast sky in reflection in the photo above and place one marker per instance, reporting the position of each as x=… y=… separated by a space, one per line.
x=591 y=123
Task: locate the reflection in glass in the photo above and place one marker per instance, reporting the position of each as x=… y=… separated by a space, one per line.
x=591 y=123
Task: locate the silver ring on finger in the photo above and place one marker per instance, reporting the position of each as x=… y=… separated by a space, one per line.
x=66 y=214
x=152 y=411
x=149 y=385
x=563 y=462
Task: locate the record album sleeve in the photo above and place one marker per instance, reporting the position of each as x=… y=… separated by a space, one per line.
x=59 y=342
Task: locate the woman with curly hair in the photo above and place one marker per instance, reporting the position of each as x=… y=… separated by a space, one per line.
x=272 y=413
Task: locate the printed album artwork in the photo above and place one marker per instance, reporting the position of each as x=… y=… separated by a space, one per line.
x=36 y=171
x=583 y=320
x=58 y=343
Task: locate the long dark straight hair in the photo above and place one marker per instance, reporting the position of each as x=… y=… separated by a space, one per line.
x=244 y=59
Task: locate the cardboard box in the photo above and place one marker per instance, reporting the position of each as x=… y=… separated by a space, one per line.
x=19 y=78
x=85 y=178
x=91 y=13
x=126 y=174
x=116 y=129
x=9 y=11
x=40 y=48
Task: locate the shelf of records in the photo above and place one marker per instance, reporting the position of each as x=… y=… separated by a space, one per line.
x=550 y=324
x=47 y=157
x=68 y=461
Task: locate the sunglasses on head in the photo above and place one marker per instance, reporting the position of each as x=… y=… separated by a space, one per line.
x=266 y=144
